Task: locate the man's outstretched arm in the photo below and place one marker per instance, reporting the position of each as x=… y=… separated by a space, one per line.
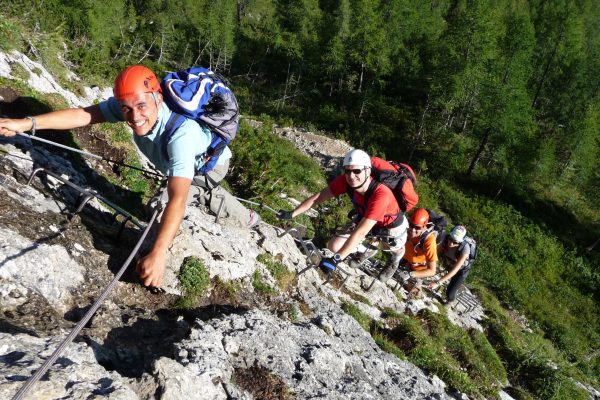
x=69 y=118
x=152 y=267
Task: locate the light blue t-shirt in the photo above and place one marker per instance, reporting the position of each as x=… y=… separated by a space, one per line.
x=184 y=149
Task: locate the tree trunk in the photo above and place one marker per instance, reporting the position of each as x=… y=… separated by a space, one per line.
x=147 y=52
x=479 y=153
x=362 y=72
x=546 y=69
x=162 y=45
x=287 y=80
x=364 y=102
x=419 y=132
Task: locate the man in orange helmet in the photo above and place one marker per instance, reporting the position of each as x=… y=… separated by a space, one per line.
x=138 y=102
x=420 y=254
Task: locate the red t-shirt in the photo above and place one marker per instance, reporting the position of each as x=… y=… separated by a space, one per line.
x=382 y=206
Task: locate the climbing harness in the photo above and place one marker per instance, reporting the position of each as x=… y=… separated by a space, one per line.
x=48 y=363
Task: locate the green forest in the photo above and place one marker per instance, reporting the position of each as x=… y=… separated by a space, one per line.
x=495 y=104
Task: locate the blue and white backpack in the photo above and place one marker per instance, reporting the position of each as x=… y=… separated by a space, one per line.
x=202 y=95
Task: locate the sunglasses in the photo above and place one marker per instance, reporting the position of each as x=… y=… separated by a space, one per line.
x=415 y=227
x=354 y=171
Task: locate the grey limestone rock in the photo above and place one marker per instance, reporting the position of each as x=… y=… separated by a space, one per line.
x=75 y=375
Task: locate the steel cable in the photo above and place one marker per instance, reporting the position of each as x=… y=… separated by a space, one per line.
x=48 y=363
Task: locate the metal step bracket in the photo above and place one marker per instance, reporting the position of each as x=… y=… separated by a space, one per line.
x=86 y=196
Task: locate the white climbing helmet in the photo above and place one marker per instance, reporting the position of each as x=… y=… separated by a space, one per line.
x=357 y=157
x=458 y=233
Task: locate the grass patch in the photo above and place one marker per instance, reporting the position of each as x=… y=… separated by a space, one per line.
x=261 y=383
x=284 y=277
x=535 y=366
x=194 y=280
x=293 y=313
x=18 y=71
x=10 y=32
x=464 y=360
x=304 y=309
x=363 y=319
x=271 y=166
x=260 y=286
x=356 y=297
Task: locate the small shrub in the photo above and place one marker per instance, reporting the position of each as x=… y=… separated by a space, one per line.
x=293 y=313
x=261 y=383
x=305 y=309
x=280 y=273
x=388 y=345
x=193 y=277
x=260 y=286
x=363 y=319
x=19 y=71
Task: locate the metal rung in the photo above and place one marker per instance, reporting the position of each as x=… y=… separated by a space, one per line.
x=310 y=250
x=222 y=197
x=467 y=300
x=87 y=195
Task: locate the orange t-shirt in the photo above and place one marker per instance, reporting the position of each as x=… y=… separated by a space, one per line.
x=424 y=254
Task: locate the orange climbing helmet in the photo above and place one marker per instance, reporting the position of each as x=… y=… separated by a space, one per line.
x=419 y=217
x=134 y=80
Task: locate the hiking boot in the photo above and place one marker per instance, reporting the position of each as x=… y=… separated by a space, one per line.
x=387 y=272
x=254 y=219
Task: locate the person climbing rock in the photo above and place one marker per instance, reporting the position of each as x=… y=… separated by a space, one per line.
x=138 y=102
x=420 y=257
x=377 y=210
x=457 y=251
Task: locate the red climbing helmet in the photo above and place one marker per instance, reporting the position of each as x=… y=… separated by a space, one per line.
x=420 y=217
x=134 y=80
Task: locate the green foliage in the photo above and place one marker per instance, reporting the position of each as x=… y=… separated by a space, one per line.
x=225 y=292
x=9 y=32
x=363 y=319
x=466 y=361
x=260 y=286
x=272 y=165
x=279 y=271
x=293 y=313
x=193 y=276
x=19 y=71
x=529 y=357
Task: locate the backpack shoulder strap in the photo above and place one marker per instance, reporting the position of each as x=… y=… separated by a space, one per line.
x=174 y=122
x=423 y=238
x=372 y=186
x=404 y=170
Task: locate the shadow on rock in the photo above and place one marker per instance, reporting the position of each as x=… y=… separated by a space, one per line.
x=132 y=350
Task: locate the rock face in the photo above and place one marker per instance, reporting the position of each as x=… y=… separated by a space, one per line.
x=238 y=343
x=40 y=79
